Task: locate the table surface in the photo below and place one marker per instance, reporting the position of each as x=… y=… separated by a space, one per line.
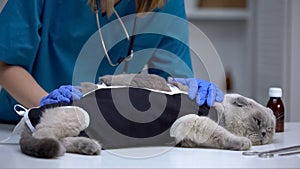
x=158 y=157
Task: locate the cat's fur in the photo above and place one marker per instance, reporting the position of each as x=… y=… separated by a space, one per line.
x=242 y=122
x=57 y=133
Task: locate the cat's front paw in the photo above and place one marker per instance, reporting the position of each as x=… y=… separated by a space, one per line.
x=243 y=144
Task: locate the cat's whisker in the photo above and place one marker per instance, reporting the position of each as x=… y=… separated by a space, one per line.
x=280 y=116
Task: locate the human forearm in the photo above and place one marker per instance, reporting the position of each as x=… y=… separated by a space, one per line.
x=21 y=85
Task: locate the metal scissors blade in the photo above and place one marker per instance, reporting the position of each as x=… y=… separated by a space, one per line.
x=270 y=153
x=291 y=153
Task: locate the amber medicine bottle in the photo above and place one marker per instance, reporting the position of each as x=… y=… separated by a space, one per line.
x=275 y=103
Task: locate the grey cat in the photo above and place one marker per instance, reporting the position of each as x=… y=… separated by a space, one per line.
x=240 y=123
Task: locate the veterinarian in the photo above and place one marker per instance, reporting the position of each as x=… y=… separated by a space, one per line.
x=40 y=41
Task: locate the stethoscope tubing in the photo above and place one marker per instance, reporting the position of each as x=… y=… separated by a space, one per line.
x=130 y=50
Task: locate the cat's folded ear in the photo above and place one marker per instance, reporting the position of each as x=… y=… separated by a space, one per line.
x=241 y=101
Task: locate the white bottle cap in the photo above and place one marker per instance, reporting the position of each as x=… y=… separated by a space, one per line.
x=275 y=92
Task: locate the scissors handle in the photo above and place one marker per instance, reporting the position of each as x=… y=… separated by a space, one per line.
x=250 y=153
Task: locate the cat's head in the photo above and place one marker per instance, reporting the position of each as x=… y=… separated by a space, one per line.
x=246 y=117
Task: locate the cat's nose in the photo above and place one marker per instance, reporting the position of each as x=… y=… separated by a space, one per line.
x=263 y=132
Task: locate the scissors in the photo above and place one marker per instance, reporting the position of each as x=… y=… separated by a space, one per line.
x=268 y=154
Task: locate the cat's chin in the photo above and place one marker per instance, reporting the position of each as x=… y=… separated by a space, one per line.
x=260 y=142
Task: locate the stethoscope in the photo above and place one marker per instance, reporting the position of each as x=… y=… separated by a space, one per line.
x=131 y=40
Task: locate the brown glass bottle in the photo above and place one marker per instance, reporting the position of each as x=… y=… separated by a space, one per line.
x=275 y=103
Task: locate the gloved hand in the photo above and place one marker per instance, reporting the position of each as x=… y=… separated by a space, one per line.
x=65 y=93
x=203 y=90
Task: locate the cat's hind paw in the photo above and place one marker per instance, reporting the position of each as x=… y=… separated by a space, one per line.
x=81 y=145
x=89 y=148
x=182 y=127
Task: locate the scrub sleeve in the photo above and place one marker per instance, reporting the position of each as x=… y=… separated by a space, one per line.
x=19 y=43
x=38 y=35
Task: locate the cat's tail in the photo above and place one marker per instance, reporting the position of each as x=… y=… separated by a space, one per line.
x=41 y=148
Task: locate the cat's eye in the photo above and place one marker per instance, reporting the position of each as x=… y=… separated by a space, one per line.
x=269 y=129
x=257 y=121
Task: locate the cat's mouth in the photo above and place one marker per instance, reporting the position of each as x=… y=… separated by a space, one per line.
x=256 y=142
x=259 y=140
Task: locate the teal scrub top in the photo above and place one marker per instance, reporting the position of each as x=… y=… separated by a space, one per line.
x=49 y=38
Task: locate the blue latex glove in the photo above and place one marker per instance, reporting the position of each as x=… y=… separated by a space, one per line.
x=203 y=90
x=65 y=93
